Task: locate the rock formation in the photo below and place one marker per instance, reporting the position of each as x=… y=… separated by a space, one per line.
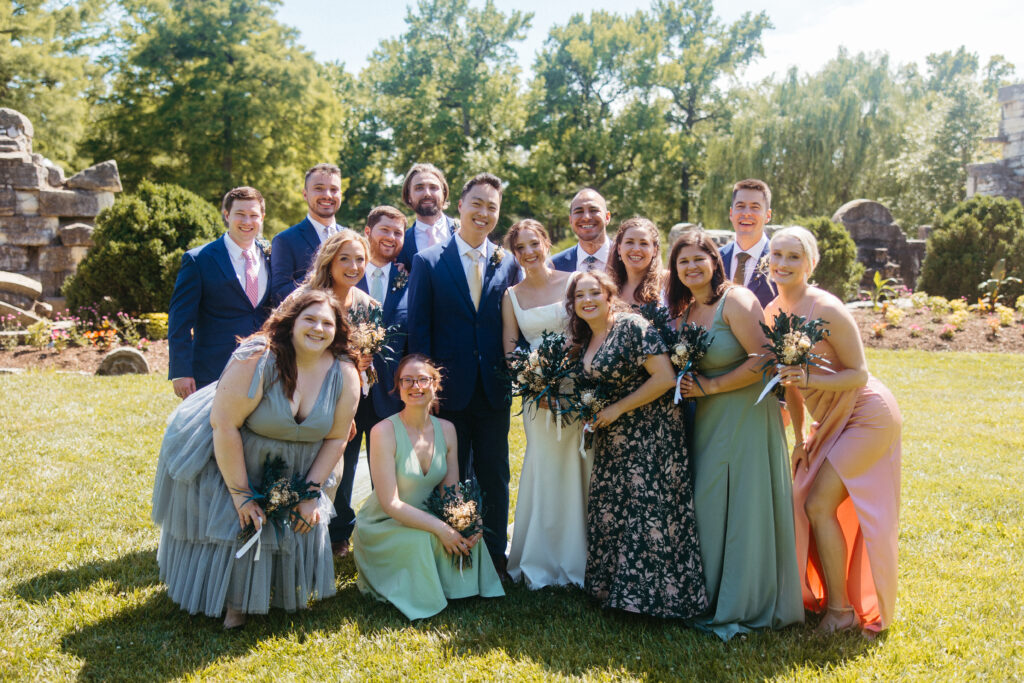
x=881 y=243
x=1004 y=178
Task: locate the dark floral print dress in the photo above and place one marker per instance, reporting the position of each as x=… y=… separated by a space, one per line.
x=643 y=554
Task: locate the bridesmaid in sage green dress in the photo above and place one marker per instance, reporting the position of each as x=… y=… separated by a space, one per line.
x=403 y=553
x=742 y=489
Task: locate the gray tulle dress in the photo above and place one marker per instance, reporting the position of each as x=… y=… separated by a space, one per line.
x=199 y=524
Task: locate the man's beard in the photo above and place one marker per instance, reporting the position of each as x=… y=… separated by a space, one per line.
x=430 y=211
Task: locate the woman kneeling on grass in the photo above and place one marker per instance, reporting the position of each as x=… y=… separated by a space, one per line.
x=405 y=555
x=846 y=472
x=283 y=407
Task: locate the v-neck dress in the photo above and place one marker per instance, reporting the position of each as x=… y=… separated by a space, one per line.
x=642 y=549
x=198 y=520
x=409 y=567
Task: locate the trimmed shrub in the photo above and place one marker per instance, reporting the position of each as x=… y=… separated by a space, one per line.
x=968 y=241
x=138 y=246
x=838 y=270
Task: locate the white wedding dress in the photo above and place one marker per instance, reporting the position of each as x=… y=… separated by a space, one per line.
x=549 y=542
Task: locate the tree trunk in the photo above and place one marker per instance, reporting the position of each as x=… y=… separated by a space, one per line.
x=684 y=195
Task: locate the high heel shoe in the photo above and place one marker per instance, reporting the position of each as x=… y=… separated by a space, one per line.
x=838 y=619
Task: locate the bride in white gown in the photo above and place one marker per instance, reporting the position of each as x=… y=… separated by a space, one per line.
x=549 y=544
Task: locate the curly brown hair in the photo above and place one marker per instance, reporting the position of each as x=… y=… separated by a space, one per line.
x=679 y=295
x=579 y=330
x=277 y=330
x=649 y=288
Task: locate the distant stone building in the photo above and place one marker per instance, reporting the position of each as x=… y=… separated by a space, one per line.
x=1004 y=178
x=882 y=246
x=46 y=221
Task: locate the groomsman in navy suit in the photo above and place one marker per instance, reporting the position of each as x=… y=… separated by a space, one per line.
x=222 y=292
x=294 y=248
x=589 y=218
x=750 y=211
x=455 y=296
x=425 y=191
x=387 y=281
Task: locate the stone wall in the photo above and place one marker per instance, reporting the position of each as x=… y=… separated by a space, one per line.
x=1004 y=178
x=882 y=245
x=46 y=221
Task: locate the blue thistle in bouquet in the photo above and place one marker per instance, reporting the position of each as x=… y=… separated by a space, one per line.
x=790 y=340
x=460 y=506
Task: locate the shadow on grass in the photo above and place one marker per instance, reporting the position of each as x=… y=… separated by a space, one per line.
x=128 y=572
x=560 y=630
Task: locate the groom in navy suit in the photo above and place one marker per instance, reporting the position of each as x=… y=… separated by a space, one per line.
x=386 y=280
x=750 y=211
x=294 y=248
x=589 y=218
x=425 y=191
x=455 y=318
x=222 y=292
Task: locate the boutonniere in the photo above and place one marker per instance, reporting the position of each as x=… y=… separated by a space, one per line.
x=264 y=246
x=497 y=256
x=401 y=277
x=762 y=267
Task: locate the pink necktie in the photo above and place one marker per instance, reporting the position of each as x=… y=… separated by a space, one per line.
x=252 y=278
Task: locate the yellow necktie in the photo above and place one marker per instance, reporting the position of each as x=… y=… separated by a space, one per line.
x=476 y=277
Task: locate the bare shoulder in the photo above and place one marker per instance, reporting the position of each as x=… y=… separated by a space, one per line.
x=448 y=429
x=828 y=306
x=385 y=429
x=560 y=277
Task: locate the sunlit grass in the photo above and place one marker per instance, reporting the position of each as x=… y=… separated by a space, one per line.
x=80 y=598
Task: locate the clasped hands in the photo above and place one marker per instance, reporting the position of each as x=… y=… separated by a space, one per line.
x=308 y=512
x=455 y=544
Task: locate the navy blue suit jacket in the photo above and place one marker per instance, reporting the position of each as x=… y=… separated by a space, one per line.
x=409 y=248
x=208 y=310
x=293 y=251
x=396 y=312
x=444 y=326
x=565 y=261
x=763 y=288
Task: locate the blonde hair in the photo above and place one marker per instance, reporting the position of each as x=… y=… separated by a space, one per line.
x=807 y=241
x=319 y=275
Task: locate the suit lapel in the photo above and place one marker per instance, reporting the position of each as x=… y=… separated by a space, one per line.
x=450 y=258
x=310 y=235
x=727 y=260
x=223 y=259
x=391 y=297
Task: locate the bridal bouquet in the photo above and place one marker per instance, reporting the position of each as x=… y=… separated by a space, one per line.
x=369 y=336
x=790 y=339
x=539 y=374
x=278 y=495
x=459 y=506
x=685 y=351
x=590 y=396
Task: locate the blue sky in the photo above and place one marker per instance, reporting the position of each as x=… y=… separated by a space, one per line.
x=805 y=35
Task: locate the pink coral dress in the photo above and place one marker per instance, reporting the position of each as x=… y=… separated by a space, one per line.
x=858 y=431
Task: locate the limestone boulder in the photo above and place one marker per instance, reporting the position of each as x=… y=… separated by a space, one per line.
x=8 y=201
x=24 y=317
x=27 y=231
x=20 y=285
x=76 y=235
x=20 y=173
x=57 y=259
x=26 y=203
x=867 y=220
x=102 y=177
x=124 y=361
x=13 y=258
x=74 y=202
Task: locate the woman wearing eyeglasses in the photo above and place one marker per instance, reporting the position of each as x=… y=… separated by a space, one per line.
x=403 y=553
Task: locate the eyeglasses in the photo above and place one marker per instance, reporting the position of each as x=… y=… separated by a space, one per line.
x=410 y=382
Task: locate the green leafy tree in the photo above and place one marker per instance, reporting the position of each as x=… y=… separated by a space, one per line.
x=838 y=270
x=212 y=94
x=968 y=241
x=138 y=246
x=46 y=73
x=447 y=90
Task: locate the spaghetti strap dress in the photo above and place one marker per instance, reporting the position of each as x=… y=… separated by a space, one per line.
x=743 y=500
x=409 y=567
x=198 y=523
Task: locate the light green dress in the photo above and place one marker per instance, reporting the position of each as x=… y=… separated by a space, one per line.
x=409 y=567
x=743 y=496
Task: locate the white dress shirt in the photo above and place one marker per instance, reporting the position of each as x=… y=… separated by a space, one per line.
x=439 y=228
x=755 y=256
x=601 y=256
x=238 y=263
x=323 y=231
x=385 y=271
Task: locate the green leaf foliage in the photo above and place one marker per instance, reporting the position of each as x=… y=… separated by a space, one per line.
x=138 y=246
x=968 y=241
x=838 y=270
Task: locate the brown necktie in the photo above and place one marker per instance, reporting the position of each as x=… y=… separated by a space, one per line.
x=740 y=276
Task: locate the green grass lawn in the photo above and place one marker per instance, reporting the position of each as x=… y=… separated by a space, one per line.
x=79 y=595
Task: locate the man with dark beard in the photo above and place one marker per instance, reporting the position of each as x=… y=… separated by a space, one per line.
x=425 y=191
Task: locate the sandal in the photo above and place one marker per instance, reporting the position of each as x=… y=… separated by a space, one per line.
x=838 y=619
